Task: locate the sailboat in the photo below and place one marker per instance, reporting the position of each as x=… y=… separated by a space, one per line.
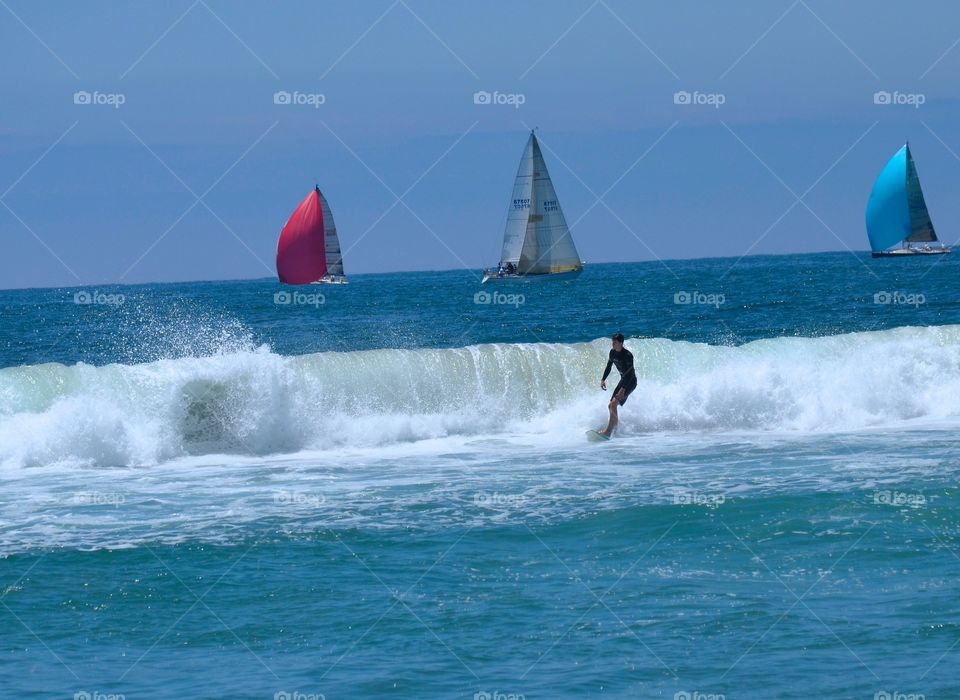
x=308 y=250
x=536 y=243
x=897 y=213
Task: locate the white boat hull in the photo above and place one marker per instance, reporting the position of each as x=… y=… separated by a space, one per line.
x=331 y=280
x=901 y=252
x=492 y=276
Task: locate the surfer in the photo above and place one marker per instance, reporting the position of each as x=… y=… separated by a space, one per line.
x=623 y=359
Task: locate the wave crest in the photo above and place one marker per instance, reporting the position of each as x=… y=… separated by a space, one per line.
x=256 y=402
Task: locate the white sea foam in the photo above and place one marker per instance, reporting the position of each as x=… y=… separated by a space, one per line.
x=255 y=402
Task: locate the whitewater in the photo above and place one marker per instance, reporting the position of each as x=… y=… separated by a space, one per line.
x=256 y=402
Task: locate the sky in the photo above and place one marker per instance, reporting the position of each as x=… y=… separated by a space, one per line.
x=154 y=142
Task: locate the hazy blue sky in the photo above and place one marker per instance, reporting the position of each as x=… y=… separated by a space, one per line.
x=86 y=199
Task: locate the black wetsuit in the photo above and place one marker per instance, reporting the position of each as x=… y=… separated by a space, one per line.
x=628 y=378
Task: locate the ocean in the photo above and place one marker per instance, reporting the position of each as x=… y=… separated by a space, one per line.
x=239 y=489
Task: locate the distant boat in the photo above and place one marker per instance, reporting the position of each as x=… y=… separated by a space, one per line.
x=897 y=213
x=536 y=243
x=308 y=250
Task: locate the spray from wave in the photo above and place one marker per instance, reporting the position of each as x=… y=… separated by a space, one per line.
x=252 y=401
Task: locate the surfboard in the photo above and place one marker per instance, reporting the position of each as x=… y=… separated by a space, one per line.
x=594 y=436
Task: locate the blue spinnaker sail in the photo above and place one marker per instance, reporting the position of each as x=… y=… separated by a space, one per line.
x=888 y=211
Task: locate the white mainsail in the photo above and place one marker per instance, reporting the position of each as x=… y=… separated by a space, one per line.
x=537 y=239
x=330 y=241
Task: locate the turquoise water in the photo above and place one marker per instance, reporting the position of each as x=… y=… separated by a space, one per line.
x=389 y=494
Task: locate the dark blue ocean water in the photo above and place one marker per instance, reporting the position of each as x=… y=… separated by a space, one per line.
x=384 y=489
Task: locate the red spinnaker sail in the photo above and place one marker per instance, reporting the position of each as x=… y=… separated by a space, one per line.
x=301 y=257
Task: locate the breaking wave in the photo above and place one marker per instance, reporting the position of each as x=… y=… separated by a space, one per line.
x=256 y=402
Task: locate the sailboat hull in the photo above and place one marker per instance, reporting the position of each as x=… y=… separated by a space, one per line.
x=901 y=252
x=492 y=276
x=331 y=279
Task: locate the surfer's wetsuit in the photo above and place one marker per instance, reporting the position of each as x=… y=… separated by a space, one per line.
x=628 y=378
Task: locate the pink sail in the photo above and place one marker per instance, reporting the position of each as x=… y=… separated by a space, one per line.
x=301 y=255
